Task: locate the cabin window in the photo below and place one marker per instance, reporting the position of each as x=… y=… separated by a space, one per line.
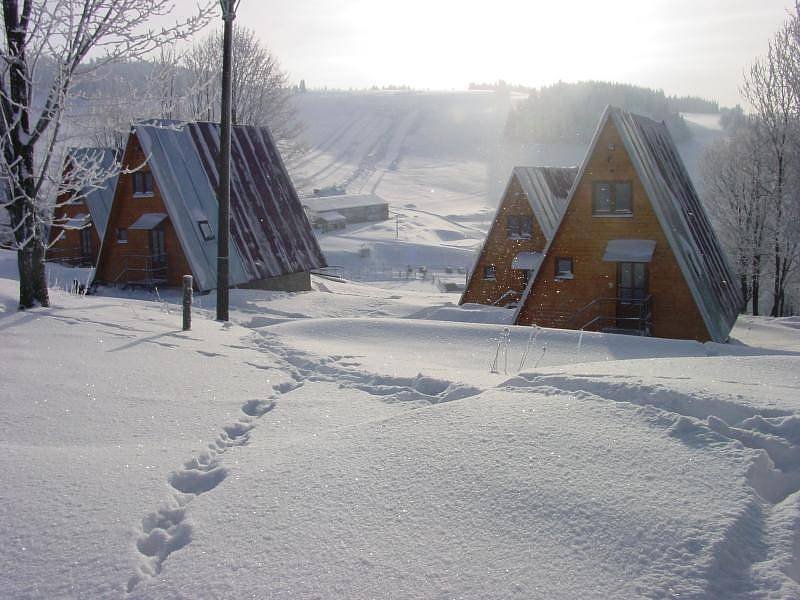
x=490 y=272
x=612 y=198
x=205 y=229
x=122 y=236
x=564 y=268
x=519 y=227
x=142 y=183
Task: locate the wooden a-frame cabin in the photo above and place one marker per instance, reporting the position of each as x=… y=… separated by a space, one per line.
x=163 y=220
x=634 y=251
x=524 y=223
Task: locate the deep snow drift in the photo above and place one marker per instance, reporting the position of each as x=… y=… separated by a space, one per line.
x=346 y=443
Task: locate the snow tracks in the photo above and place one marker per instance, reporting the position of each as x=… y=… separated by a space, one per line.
x=166 y=529
x=767 y=530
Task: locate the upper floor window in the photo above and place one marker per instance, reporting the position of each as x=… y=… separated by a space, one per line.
x=142 y=183
x=490 y=272
x=122 y=236
x=205 y=229
x=612 y=198
x=564 y=268
x=519 y=226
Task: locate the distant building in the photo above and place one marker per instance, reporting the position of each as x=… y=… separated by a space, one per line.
x=163 y=222
x=334 y=212
x=79 y=220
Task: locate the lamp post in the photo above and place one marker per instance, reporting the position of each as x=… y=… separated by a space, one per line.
x=224 y=195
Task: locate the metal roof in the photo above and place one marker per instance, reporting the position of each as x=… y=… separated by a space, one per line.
x=547 y=189
x=98 y=199
x=324 y=203
x=629 y=251
x=331 y=216
x=270 y=233
x=680 y=214
x=148 y=221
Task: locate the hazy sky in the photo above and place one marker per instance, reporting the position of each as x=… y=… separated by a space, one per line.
x=683 y=46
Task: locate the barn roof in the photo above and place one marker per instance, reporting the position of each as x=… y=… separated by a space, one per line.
x=680 y=214
x=98 y=199
x=270 y=233
x=323 y=203
x=547 y=189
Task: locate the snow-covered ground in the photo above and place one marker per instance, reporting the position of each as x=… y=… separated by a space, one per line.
x=358 y=442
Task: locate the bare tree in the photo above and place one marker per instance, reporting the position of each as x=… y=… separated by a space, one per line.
x=770 y=88
x=735 y=193
x=261 y=92
x=45 y=54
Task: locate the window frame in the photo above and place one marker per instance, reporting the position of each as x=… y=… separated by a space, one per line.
x=142 y=184
x=490 y=273
x=559 y=274
x=122 y=235
x=613 y=208
x=519 y=227
x=207 y=236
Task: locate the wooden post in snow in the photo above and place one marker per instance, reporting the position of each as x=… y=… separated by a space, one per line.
x=187 y=302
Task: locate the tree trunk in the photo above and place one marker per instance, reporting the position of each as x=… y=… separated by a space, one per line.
x=25 y=266
x=39 y=271
x=756 y=274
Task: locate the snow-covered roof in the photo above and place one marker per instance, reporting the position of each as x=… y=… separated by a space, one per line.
x=270 y=233
x=527 y=261
x=629 y=251
x=79 y=221
x=327 y=203
x=149 y=221
x=99 y=198
x=331 y=216
x=547 y=189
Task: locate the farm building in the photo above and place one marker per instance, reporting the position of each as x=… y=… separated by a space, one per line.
x=525 y=221
x=79 y=220
x=634 y=250
x=163 y=221
x=335 y=212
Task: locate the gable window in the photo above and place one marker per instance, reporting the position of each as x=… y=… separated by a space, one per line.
x=122 y=236
x=490 y=272
x=519 y=227
x=564 y=268
x=612 y=198
x=205 y=229
x=142 y=183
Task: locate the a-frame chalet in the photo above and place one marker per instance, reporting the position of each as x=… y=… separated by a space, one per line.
x=525 y=221
x=634 y=250
x=163 y=222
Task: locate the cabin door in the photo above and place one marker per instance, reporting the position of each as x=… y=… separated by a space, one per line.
x=158 y=252
x=632 y=293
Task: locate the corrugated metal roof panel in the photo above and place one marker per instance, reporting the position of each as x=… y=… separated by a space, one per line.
x=629 y=251
x=148 y=221
x=99 y=198
x=547 y=189
x=339 y=202
x=270 y=233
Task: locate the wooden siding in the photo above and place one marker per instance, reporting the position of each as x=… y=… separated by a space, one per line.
x=583 y=237
x=499 y=250
x=124 y=213
x=67 y=248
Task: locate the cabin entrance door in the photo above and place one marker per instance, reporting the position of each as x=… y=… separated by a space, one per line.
x=632 y=294
x=158 y=254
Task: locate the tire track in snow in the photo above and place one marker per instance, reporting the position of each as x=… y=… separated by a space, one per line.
x=758 y=534
x=166 y=529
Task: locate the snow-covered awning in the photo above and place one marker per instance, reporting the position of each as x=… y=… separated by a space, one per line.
x=149 y=221
x=77 y=222
x=527 y=261
x=629 y=251
x=331 y=217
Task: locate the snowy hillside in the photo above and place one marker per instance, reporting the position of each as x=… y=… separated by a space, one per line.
x=441 y=161
x=349 y=443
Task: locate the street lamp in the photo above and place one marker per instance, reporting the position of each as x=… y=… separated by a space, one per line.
x=224 y=195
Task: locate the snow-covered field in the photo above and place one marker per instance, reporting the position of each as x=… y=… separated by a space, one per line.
x=360 y=442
